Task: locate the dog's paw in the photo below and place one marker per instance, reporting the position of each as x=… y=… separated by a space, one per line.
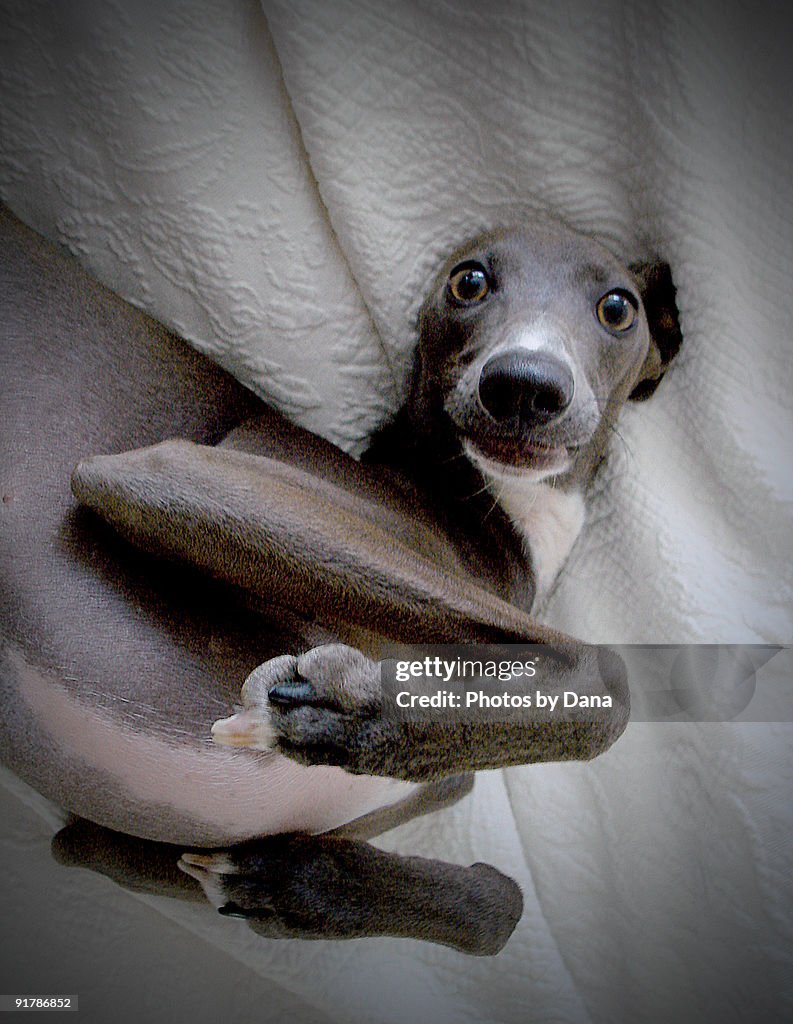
x=320 y=708
x=329 y=887
x=251 y=727
x=289 y=886
x=282 y=887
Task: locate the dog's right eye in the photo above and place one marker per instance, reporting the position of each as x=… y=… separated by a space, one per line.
x=468 y=282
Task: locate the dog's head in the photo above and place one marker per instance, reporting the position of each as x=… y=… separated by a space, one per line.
x=531 y=341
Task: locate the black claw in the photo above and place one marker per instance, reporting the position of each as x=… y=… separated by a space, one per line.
x=232 y=910
x=296 y=691
x=235 y=910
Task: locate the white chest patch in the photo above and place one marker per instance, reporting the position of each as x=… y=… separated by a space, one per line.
x=547 y=518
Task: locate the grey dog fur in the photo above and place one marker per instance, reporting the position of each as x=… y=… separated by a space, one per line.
x=387 y=553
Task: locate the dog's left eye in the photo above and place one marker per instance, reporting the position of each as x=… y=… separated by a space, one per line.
x=468 y=282
x=617 y=310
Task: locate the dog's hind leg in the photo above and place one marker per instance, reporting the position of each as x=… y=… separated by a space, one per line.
x=329 y=887
x=312 y=887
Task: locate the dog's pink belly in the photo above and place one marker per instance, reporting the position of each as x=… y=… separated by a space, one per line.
x=184 y=789
x=237 y=796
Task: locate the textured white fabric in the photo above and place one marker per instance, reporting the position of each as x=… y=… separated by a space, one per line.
x=278 y=188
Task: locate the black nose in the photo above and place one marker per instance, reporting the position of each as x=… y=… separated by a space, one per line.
x=530 y=386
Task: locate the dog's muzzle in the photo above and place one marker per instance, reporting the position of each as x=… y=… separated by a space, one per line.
x=528 y=388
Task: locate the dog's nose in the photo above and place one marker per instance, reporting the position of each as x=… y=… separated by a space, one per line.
x=532 y=386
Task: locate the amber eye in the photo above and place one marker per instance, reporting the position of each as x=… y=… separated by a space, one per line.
x=617 y=310
x=468 y=282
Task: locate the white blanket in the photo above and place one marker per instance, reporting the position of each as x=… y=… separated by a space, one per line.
x=278 y=187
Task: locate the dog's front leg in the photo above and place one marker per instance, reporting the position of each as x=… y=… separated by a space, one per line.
x=327 y=707
x=287 y=536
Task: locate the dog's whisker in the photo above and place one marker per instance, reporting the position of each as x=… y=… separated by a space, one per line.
x=484 y=489
x=614 y=430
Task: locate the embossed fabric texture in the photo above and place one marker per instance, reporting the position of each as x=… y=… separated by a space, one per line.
x=276 y=182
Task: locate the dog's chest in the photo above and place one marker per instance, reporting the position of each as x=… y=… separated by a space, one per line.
x=548 y=521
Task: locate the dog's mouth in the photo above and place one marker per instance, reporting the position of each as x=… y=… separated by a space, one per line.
x=508 y=455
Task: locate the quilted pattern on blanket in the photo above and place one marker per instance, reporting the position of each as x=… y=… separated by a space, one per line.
x=277 y=183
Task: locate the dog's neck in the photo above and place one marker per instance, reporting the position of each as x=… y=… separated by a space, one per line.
x=548 y=520
x=523 y=530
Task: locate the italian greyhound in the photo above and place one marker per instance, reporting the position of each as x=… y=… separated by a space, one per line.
x=249 y=548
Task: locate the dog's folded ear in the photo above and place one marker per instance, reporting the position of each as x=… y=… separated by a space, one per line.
x=658 y=296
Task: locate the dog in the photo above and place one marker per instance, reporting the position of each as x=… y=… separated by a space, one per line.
x=259 y=550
